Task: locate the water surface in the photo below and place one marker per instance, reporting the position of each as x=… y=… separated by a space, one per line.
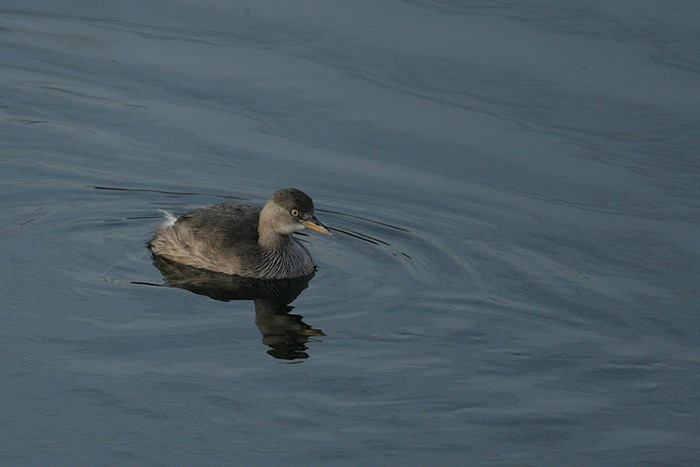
x=514 y=190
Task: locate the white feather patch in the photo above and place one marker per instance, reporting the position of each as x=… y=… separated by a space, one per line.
x=169 y=218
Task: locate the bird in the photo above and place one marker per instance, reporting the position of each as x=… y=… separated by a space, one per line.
x=243 y=240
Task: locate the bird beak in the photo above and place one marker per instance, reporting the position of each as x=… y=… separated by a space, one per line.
x=316 y=226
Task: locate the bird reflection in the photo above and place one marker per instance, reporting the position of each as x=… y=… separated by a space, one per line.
x=285 y=333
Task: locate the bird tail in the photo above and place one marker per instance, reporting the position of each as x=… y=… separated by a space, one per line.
x=169 y=218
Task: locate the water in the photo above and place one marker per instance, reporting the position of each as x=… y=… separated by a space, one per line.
x=514 y=188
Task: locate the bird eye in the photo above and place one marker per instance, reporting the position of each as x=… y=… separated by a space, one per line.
x=294 y=212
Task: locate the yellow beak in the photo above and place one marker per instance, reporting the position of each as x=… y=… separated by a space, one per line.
x=316 y=226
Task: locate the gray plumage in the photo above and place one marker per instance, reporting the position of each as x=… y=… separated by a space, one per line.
x=244 y=240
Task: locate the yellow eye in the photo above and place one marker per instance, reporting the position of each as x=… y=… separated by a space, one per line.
x=294 y=212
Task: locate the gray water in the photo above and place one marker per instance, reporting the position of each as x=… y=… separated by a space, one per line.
x=514 y=188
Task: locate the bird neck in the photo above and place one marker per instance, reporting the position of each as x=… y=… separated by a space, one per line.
x=268 y=235
x=271 y=240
